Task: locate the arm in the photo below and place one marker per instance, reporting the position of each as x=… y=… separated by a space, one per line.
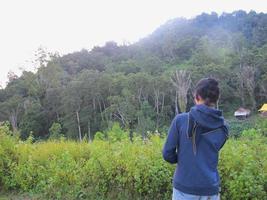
x=226 y=134
x=169 y=151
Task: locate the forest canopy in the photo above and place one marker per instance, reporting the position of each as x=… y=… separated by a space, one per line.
x=143 y=85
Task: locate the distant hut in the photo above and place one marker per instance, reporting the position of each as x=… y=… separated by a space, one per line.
x=242 y=113
x=263 y=110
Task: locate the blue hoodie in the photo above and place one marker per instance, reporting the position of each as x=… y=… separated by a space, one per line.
x=194 y=140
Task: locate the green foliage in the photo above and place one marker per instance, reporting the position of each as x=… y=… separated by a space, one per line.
x=117 y=134
x=5 y=128
x=262 y=126
x=243 y=168
x=99 y=136
x=8 y=154
x=33 y=120
x=250 y=133
x=131 y=84
x=120 y=169
x=252 y=127
x=89 y=90
x=238 y=126
x=55 y=131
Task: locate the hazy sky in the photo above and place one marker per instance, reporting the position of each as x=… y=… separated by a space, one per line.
x=70 y=25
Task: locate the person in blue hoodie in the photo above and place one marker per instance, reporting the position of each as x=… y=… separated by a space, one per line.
x=193 y=143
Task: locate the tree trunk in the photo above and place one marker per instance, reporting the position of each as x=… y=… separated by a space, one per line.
x=79 y=126
x=89 y=131
x=131 y=131
x=57 y=115
x=163 y=102
x=13 y=121
x=100 y=109
x=156 y=92
x=176 y=103
x=241 y=77
x=181 y=81
x=105 y=115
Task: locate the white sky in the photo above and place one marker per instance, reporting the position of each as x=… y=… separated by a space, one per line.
x=70 y=25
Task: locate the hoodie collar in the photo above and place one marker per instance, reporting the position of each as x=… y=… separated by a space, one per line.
x=207 y=117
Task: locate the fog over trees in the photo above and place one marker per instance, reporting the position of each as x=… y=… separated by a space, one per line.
x=143 y=85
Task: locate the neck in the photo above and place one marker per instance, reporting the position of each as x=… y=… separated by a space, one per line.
x=209 y=105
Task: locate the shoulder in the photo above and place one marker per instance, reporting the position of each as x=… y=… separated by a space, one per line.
x=181 y=118
x=181 y=121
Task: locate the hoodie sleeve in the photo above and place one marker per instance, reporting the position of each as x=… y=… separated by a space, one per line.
x=169 y=151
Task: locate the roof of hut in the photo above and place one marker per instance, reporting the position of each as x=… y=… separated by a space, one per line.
x=263 y=108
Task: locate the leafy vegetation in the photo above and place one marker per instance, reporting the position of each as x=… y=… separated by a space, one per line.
x=139 y=85
x=116 y=168
x=90 y=95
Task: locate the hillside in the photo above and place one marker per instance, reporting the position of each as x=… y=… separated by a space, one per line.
x=136 y=85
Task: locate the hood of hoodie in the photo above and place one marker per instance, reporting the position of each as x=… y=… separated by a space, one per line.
x=207 y=117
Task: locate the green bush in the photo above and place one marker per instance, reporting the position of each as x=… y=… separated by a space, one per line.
x=99 y=136
x=262 y=126
x=238 y=126
x=116 y=133
x=251 y=133
x=8 y=154
x=55 y=131
x=120 y=169
x=243 y=168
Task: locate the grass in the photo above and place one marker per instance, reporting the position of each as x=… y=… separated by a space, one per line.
x=13 y=196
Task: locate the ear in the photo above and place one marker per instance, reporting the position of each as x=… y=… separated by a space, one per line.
x=196 y=99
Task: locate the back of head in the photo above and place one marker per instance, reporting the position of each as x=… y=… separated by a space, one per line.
x=208 y=90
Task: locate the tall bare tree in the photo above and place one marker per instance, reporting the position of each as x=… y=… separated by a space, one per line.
x=250 y=83
x=11 y=108
x=181 y=80
x=247 y=84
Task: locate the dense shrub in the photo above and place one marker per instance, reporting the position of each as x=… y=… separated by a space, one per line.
x=238 y=126
x=243 y=168
x=120 y=169
x=8 y=154
x=55 y=131
x=262 y=126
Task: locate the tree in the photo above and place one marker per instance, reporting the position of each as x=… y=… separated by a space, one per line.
x=181 y=80
x=72 y=101
x=145 y=119
x=12 y=76
x=160 y=86
x=34 y=121
x=248 y=73
x=142 y=85
x=12 y=108
x=55 y=131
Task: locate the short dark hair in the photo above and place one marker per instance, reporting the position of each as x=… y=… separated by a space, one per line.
x=208 y=89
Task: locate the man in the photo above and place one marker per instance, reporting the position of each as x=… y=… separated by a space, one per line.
x=193 y=142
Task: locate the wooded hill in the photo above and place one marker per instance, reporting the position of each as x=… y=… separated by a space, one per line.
x=142 y=85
